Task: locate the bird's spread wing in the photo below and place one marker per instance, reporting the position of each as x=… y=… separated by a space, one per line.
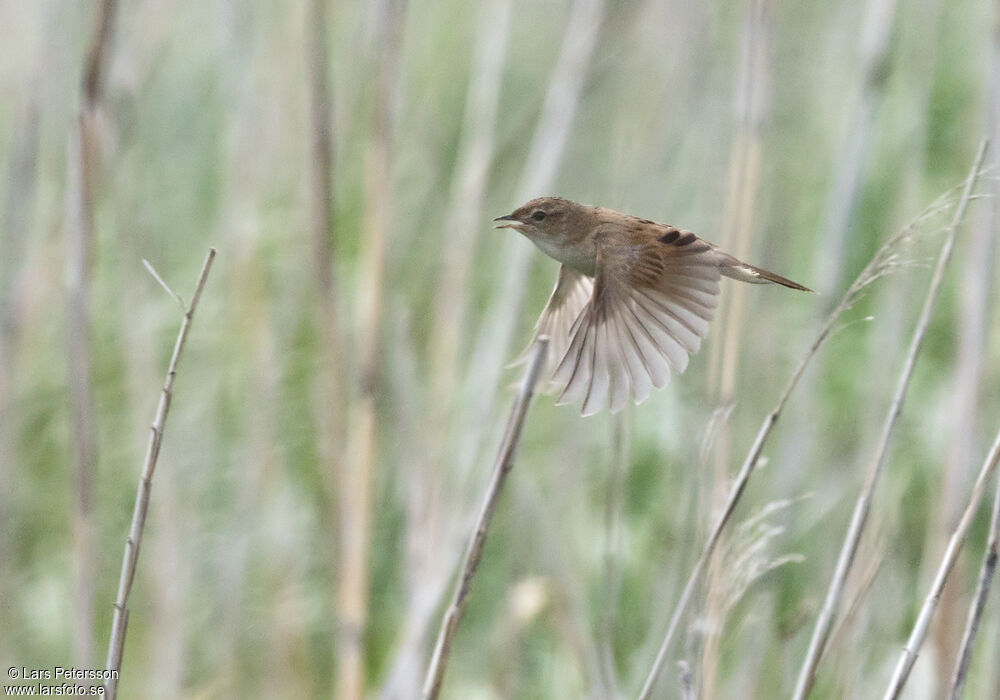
x=572 y=292
x=650 y=308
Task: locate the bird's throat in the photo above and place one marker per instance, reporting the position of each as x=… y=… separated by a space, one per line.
x=580 y=256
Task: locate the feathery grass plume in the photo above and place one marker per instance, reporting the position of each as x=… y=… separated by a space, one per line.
x=743 y=558
x=886 y=260
x=748 y=557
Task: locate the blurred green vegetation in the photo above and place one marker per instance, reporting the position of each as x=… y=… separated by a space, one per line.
x=205 y=139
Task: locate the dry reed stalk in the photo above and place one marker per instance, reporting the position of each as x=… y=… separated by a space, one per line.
x=15 y=227
x=859 y=518
x=330 y=397
x=431 y=552
x=848 y=629
x=977 y=294
x=613 y=554
x=321 y=142
x=978 y=606
x=544 y=155
x=83 y=160
x=462 y=228
x=919 y=632
x=571 y=601
x=473 y=555
x=882 y=263
x=992 y=682
x=322 y=233
x=425 y=582
x=170 y=571
x=852 y=155
x=738 y=227
x=119 y=623
x=357 y=474
x=981 y=252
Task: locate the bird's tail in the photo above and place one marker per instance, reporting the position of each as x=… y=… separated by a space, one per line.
x=745 y=272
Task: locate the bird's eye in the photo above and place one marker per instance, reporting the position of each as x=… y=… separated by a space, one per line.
x=539 y=215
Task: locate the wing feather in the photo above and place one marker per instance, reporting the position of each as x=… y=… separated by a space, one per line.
x=559 y=317
x=647 y=310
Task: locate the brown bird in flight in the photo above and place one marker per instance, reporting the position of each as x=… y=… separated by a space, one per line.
x=632 y=300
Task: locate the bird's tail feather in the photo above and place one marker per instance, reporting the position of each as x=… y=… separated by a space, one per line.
x=745 y=272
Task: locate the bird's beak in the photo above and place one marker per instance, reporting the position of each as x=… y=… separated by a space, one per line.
x=506 y=222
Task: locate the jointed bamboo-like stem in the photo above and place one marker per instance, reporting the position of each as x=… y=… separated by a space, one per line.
x=879 y=265
x=859 y=518
x=986 y=572
x=474 y=553
x=119 y=623
x=909 y=655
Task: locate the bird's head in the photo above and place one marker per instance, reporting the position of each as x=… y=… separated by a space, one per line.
x=546 y=219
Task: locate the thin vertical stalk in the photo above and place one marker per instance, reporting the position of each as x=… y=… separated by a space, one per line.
x=322 y=218
x=977 y=294
x=986 y=573
x=880 y=264
x=613 y=555
x=909 y=655
x=544 y=155
x=739 y=223
x=981 y=252
x=119 y=623
x=322 y=214
x=468 y=187
x=431 y=552
x=357 y=472
x=859 y=518
x=81 y=393
x=321 y=140
x=15 y=229
x=82 y=171
x=852 y=155
x=474 y=553
x=330 y=395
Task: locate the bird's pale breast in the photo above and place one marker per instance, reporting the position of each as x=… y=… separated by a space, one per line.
x=581 y=256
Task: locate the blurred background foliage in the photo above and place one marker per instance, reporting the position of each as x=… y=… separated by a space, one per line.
x=343 y=389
